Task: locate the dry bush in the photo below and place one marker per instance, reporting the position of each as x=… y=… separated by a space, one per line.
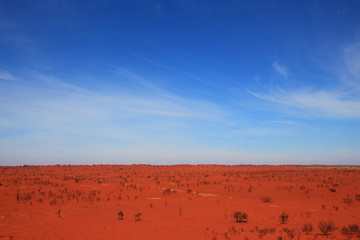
x=357 y=197
x=263 y=231
x=353 y=230
x=284 y=218
x=138 y=216
x=290 y=232
x=346 y=232
x=266 y=199
x=307 y=228
x=326 y=227
x=240 y=216
x=167 y=191
x=347 y=201
x=121 y=215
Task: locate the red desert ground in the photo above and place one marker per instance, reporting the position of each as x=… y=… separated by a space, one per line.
x=211 y=202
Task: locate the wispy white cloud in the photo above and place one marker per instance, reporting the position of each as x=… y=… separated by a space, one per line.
x=352 y=63
x=51 y=104
x=4 y=75
x=323 y=104
x=141 y=122
x=280 y=69
x=340 y=102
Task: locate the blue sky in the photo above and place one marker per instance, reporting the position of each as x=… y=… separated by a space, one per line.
x=175 y=81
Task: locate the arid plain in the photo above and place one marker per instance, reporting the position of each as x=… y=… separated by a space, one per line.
x=179 y=202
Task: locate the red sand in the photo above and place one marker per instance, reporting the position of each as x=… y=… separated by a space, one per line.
x=199 y=204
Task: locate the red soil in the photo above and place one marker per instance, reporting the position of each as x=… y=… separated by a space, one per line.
x=198 y=204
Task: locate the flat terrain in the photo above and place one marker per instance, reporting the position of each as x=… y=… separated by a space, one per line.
x=176 y=202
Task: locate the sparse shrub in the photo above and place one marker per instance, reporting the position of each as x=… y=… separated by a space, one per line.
x=266 y=199
x=138 y=217
x=121 y=215
x=284 y=217
x=272 y=230
x=357 y=197
x=307 y=228
x=240 y=216
x=346 y=232
x=263 y=231
x=290 y=232
x=232 y=230
x=350 y=231
x=354 y=228
x=167 y=191
x=326 y=227
x=347 y=201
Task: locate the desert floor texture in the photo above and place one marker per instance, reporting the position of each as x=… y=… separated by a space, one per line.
x=178 y=202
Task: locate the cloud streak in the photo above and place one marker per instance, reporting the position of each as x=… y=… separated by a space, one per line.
x=4 y=75
x=280 y=69
x=323 y=104
x=351 y=74
x=54 y=105
x=340 y=102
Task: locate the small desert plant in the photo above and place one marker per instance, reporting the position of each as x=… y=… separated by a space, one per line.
x=138 y=216
x=290 y=232
x=347 y=200
x=357 y=197
x=307 y=228
x=263 y=231
x=346 y=232
x=240 y=216
x=354 y=228
x=350 y=231
x=121 y=215
x=167 y=191
x=283 y=218
x=326 y=227
x=266 y=199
